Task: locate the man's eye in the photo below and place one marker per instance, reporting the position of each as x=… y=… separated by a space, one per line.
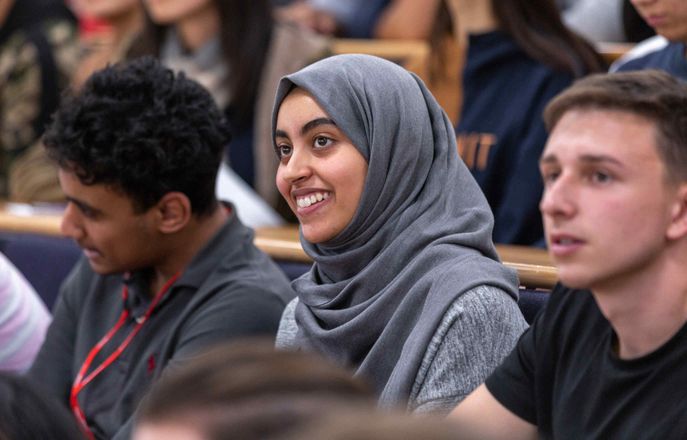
x=549 y=177
x=601 y=177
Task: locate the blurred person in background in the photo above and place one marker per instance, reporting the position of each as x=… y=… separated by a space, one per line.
x=399 y=19
x=518 y=55
x=238 y=52
x=595 y=20
x=247 y=390
x=122 y=20
x=667 y=51
x=38 y=52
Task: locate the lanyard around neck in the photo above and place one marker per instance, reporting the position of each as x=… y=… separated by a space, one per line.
x=82 y=379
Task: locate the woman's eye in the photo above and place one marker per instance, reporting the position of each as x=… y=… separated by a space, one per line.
x=283 y=150
x=322 y=141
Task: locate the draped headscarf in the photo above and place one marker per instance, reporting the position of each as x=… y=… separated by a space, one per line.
x=421 y=235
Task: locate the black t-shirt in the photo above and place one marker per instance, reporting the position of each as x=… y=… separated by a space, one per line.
x=564 y=377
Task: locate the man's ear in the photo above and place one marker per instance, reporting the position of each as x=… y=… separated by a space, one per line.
x=173 y=212
x=678 y=222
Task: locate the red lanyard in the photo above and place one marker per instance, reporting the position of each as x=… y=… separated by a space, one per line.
x=80 y=382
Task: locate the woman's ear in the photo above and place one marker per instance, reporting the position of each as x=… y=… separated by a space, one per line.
x=678 y=222
x=173 y=211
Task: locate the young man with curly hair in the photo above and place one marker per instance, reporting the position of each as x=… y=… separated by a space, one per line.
x=168 y=270
x=607 y=356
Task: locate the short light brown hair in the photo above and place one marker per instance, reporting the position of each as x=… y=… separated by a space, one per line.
x=650 y=94
x=248 y=390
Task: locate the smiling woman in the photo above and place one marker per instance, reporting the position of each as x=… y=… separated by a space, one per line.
x=406 y=286
x=321 y=174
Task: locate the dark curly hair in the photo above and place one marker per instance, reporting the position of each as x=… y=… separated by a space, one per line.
x=144 y=131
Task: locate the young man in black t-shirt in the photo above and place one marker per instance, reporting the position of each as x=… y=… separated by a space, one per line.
x=610 y=361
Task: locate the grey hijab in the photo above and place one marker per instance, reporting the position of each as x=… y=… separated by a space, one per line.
x=419 y=239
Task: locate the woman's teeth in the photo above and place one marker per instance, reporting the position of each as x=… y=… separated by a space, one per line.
x=304 y=202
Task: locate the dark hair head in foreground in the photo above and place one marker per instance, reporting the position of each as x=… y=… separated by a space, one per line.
x=143 y=130
x=249 y=390
x=376 y=425
x=650 y=94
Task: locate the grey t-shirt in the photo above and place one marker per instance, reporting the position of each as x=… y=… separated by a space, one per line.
x=479 y=329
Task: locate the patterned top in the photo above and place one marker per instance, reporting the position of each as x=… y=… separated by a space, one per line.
x=35 y=65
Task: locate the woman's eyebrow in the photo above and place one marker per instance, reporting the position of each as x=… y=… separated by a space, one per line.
x=316 y=123
x=307 y=127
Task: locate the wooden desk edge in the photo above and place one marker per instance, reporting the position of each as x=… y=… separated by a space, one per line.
x=531 y=275
x=283 y=244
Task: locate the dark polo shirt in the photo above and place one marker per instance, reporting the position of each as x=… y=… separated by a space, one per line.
x=231 y=289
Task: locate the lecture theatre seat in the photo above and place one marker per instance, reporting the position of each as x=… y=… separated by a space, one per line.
x=531 y=302
x=43 y=260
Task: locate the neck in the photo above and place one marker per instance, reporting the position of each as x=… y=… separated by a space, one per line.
x=126 y=24
x=199 y=27
x=647 y=307
x=471 y=17
x=186 y=245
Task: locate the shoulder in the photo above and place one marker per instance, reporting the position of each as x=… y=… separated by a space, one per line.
x=483 y=301
x=478 y=330
x=642 y=55
x=240 y=269
x=287 y=326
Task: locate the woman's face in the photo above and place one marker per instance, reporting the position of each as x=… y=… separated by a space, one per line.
x=167 y=12
x=321 y=173
x=667 y=17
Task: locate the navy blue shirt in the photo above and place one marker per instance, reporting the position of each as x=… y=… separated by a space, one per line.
x=501 y=133
x=671 y=59
x=239 y=152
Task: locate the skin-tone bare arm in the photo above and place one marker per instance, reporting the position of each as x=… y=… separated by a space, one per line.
x=408 y=19
x=481 y=417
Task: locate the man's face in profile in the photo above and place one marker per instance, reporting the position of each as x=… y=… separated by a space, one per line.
x=607 y=202
x=103 y=221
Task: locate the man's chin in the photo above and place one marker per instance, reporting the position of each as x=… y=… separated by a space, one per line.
x=102 y=269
